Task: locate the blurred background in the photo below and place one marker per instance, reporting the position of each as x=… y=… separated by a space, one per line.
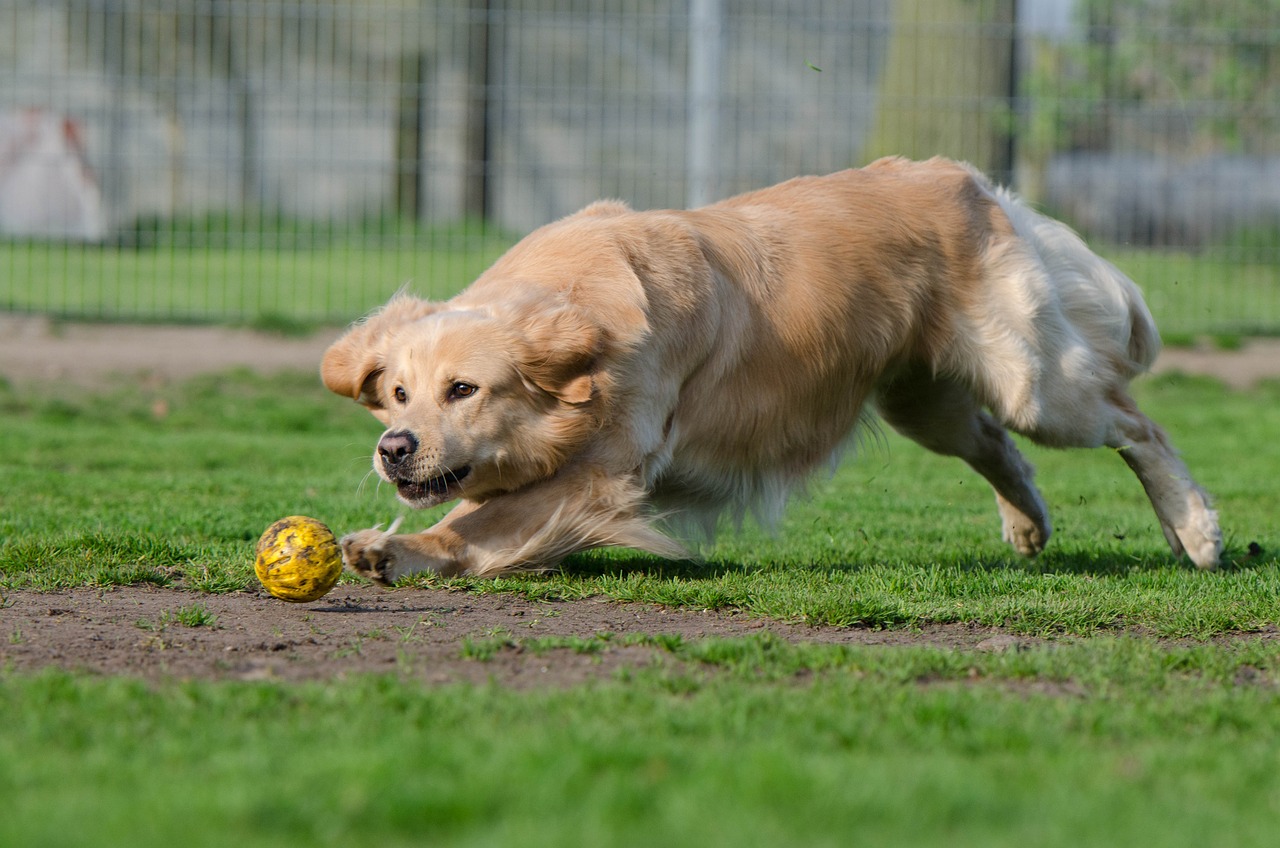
x=288 y=165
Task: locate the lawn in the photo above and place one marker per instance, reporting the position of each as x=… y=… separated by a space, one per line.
x=1150 y=713
x=255 y=283
x=1210 y=294
x=175 y=483
x=267 y=278
x=1117 y=743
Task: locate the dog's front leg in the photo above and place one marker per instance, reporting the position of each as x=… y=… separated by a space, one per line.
x=384 y=556
x=535 y=527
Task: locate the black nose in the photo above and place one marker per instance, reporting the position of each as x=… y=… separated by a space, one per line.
x=395 y=447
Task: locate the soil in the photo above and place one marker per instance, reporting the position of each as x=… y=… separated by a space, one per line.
x=429 y=635
x=38 y=349
x=432 y=635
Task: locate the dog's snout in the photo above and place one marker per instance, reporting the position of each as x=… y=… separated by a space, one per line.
x=395 y=447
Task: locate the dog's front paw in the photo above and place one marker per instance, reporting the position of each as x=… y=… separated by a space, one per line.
x=370 y=553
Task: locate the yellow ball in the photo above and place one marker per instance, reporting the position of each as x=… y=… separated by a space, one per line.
x=298 y=559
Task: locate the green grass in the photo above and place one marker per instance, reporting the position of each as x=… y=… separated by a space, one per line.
x=1217 y=293
x=286 y=278
x=259 y=285
x=110 y=488
x=1110 y=733
x=174 y=486
x=1116 y=743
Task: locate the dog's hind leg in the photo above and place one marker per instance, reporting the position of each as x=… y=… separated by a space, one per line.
x=944 y=417
x=1186 y=517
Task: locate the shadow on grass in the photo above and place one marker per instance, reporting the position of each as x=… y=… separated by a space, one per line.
x=1062 y=560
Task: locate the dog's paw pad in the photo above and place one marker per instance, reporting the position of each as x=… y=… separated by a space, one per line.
x=367 y=553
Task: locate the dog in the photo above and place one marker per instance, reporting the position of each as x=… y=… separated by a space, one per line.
x=617 y=372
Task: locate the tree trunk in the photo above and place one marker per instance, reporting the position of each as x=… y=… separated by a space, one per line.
x=948 y=82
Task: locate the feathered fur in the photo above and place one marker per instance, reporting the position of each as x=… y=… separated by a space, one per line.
x=618 y=365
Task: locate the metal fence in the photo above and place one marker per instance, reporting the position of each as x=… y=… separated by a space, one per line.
x=263 y=160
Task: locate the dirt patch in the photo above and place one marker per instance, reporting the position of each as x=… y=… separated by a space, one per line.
x=1256 y=360
x=35 y=348
x=434 y=635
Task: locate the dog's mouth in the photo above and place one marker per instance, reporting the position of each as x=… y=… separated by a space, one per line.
x=435 y=490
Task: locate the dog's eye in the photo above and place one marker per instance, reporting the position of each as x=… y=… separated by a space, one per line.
x=400 y=395
x=461 y=390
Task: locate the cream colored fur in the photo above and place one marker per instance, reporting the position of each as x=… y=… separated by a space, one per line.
x=616 y=366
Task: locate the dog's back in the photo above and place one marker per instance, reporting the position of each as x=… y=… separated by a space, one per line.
x=734 y=349
x=833 y=287
x=821 y=287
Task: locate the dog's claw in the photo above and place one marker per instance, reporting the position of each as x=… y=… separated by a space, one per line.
x=367 y=553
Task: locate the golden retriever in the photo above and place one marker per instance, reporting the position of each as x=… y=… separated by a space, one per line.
x=618 y=369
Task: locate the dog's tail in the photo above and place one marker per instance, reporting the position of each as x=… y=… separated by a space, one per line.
x=1097 y=297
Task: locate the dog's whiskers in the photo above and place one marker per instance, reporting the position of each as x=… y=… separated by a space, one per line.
x=365 y=479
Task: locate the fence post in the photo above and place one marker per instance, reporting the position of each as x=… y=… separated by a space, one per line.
x=476 y=142
x=706 y=49
x=409 y=119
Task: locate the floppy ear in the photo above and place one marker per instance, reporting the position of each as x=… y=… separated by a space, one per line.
x=559 y=351
x=353 y=364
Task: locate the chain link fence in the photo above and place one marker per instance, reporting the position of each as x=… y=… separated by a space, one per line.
x=294 y=163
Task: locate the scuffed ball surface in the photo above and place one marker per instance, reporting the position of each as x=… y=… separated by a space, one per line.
x=298 y=559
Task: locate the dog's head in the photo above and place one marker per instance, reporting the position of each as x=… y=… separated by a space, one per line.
x=476 y=402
